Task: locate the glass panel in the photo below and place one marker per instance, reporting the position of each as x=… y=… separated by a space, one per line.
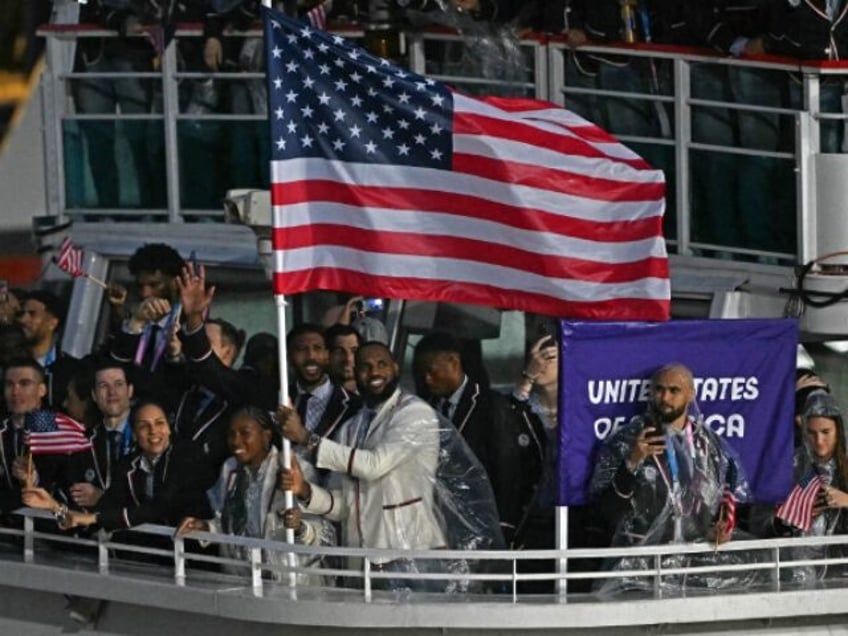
x=111 y=164
x=216 y=156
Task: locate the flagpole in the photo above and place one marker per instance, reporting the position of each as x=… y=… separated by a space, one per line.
x=282 y=330
x=280 y=301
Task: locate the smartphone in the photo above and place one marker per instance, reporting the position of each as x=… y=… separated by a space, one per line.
x=193 y=260
x=653 y=428
x=373 y=304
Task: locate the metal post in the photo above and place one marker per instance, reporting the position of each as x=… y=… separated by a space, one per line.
x=366 y=581
x=52 y=122
x=170 y=110
x=417 y=62
x=256 y=571
x=514 y=580
x=682 y=138
x=562 y=545
x=806 y=148
x=394 y=318
x=556 y=74
x=179 y=560
x=102 y=553
x=29 y=540
x=540 y=70
x=658 y=576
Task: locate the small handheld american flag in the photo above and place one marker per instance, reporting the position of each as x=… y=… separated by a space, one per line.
x=317 y=15
x=53 y=433
x=69 y=258
x=728 y=509
x=797 y=510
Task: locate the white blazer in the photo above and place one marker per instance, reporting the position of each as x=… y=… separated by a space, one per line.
x=382 y=492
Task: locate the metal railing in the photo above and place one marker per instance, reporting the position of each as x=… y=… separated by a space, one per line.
x=544 y=75
x=497 y=572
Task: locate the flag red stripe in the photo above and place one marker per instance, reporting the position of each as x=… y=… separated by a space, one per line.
x=556 y=180
x=415 y=200
x=465 y=123
x=539 y=110
x=797 y=510
x=463 y=249
x=533 y=110
x=464 y=292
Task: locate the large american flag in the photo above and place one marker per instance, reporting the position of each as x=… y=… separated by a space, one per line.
x=390 y=184
x=53 y=433
x=797 y=510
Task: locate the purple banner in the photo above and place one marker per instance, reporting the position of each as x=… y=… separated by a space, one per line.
x=745 y=386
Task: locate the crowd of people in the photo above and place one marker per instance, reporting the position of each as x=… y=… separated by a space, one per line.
x=746 y=211
x=173 y=433
x=159 y=426
x=170 y=432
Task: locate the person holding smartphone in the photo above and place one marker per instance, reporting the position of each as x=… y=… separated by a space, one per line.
x=665 y=476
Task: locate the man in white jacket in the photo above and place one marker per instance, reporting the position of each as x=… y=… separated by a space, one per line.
x=385 y=462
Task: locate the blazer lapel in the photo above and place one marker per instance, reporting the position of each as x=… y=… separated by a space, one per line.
x=7 y=473
x=467 y=403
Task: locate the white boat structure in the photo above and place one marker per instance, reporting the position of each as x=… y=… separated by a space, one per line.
x=39 y=569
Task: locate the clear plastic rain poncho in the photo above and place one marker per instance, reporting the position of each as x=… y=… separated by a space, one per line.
x=403 y=478
x=488 y=51
x=252 y=506
x=676 y=498
x=832 y=520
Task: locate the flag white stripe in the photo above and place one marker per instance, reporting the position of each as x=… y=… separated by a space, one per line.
x=520 y=152
x=427 y=223
x=543 y=119
x=460 y=271
x=361 y=174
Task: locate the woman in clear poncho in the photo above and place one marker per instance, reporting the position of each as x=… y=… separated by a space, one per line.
x=246 y=501
x=823 y=454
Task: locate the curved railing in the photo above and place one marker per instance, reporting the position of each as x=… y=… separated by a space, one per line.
x=267 y=593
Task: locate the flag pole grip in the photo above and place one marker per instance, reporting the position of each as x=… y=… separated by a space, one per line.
x=97 y=281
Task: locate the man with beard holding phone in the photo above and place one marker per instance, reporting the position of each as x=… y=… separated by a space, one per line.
x=666 y=476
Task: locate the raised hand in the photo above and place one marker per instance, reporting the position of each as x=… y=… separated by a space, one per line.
x=194 y=295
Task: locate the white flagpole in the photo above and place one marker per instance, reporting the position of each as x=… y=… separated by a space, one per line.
x=282 y=330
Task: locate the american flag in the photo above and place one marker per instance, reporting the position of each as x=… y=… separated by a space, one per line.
x=388 y=183
x=53 y=433
x=728 y=509
x=317 y=15
x=797 y=510
x=69 y=258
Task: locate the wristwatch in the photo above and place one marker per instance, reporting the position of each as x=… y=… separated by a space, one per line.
x=61 y=514
x=312 y=443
